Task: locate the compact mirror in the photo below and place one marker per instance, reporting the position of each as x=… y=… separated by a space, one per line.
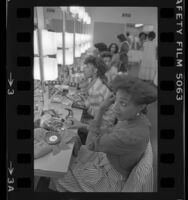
x=52 y=138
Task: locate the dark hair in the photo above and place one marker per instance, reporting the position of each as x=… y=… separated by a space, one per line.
x=117 y=48
x=105 y=54
x=98 y=63
x=121 y=37
x=142 y=33
x=151 y=35
x=127 y=34
x=101 y=47
x=141 y=92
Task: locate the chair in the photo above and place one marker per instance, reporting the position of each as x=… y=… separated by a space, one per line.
x=141 y=177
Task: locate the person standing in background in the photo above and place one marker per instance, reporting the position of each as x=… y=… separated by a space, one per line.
x=130 y=39
x=101 y=47
x=142 y=39
x=114 y=50
x=124 y=48
x=149 y=61
x=111 y=70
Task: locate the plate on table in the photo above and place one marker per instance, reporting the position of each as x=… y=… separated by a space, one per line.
x=52 y=138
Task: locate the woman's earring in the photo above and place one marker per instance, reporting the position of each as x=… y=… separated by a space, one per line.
x=138 y=114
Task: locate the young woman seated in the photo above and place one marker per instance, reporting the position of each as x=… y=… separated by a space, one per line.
x=101 y=47
x=105 y=162
x=111 y=70
x=96 y=90
x=114 y=50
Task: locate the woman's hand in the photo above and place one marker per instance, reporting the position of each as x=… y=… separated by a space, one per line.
x=44 y=120
x=82 y=96
x=107 y=103
x=74 y=124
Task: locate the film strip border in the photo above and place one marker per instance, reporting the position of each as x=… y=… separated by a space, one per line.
x=20 y=102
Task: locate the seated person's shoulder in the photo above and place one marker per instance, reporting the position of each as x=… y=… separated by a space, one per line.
x=114 y=69
x=133 y=135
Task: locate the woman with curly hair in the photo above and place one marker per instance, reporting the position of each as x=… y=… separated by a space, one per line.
x=114 y=50
x=101 y=47
x=148 y=68
x=96 y=90
x=142 y=38
x=110 y=153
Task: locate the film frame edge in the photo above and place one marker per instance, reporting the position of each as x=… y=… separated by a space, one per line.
x=15 y=100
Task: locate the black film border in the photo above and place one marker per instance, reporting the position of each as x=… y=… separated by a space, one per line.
x=19 y=108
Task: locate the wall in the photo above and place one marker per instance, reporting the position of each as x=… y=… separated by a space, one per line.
x=49 y=15
x=141 y=15
x=107 y=32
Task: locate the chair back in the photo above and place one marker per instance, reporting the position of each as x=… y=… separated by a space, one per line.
x=141 y=177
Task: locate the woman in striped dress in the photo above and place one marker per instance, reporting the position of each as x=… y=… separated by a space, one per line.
x=95 y=91
x=104 y=163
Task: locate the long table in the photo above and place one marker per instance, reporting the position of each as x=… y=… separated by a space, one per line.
x=56 y=165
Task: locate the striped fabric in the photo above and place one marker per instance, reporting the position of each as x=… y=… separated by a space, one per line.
x=91 y=177
x=83 y=85
x=111 y=73
x=94 y=171
x=115 y=60
x=109 y=118
x=95 y=177
x=97 y=93
x=141 y=177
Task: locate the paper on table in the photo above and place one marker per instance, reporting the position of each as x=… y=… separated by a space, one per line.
x=53 y=163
